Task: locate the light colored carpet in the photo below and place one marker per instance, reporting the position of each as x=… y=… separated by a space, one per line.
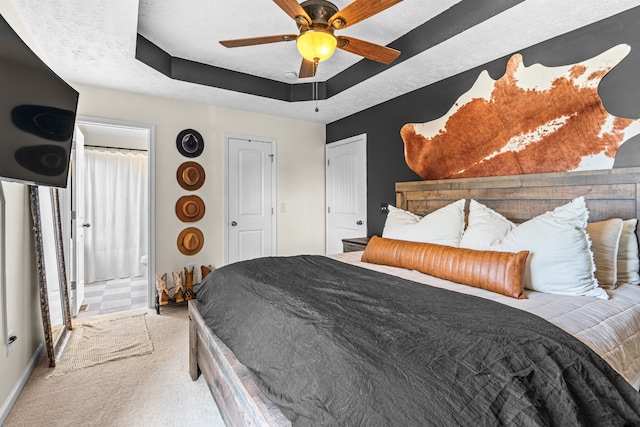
x=96 y=341
x=149 y=390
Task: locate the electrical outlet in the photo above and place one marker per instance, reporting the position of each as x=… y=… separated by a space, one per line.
x=384 y=208
x=11 y=339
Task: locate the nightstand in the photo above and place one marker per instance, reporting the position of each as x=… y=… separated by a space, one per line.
x=355 y=244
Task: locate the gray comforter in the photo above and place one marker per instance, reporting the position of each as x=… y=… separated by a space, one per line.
x=335 y=344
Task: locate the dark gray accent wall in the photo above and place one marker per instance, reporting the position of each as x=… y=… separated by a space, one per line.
x=619 y=91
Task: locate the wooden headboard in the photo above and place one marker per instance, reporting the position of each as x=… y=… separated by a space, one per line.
x=611 y=193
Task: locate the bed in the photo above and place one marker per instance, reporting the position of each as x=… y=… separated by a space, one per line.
x=608 y=194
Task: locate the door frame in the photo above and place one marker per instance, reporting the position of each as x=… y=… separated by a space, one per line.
x=272 y=141
x=345 y=141
x=6 y=338
x=150 y=130
x=70 y=225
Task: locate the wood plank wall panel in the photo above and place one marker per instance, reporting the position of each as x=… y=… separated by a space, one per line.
x=608 y=193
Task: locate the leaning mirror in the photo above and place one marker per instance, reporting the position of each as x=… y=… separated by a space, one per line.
x=54 y=294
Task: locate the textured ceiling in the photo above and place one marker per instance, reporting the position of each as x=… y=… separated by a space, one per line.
x=94 y=43
x=176 y=31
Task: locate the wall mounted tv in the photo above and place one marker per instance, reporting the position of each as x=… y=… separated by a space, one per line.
x=37 y=116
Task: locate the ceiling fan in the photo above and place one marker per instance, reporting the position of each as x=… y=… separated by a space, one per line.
x=317 y=20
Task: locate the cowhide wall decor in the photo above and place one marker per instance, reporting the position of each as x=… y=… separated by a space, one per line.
x=531 y=120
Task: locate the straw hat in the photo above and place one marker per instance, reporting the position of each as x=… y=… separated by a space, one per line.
x=190 y=241
x=190 y=175
x=190 y=143
x=190 y=208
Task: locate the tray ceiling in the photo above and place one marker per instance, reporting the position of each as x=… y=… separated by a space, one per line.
x=95 y=43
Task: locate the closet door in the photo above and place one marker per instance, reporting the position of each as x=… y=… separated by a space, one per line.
x=346 y=191
x=251 y=196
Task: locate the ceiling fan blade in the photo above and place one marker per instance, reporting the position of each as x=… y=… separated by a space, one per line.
x=307 y=69
x=294 y=10
x=358 y=11
x=258 y=40
x=369 y=50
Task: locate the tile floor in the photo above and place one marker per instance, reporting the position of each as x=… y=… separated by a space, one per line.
x=114 y=295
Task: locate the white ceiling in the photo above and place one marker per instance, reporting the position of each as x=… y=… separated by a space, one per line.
x=94 y=42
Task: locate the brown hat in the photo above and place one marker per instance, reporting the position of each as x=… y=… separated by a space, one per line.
x=190 y=208
x=190 y=241
x=190 y=175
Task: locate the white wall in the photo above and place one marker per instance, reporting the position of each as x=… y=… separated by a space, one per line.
x=23 y=303
x=300 y=170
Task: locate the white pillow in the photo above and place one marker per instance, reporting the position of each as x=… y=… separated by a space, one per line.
x=628 y=263
x=560 y=259
x=443 y=226
x=605 y=239
x=398 y=218
x=486 y=227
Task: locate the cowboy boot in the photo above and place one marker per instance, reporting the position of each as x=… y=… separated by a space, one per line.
x=178 y=290
x=205 y=269
x=188 y=284
x=163 y=291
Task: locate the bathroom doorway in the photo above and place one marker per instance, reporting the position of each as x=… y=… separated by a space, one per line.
x=114 y=214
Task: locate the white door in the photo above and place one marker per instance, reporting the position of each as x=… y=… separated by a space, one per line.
x=250 y=199
x=77 y=222
x=346 y=191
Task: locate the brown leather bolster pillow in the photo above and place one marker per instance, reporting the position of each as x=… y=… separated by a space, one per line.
x=501 y=272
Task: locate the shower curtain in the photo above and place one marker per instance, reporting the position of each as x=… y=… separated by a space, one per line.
x=116 y=206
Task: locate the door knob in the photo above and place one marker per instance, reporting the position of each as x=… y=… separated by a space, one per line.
x=86 y=225
x=359 y=222
x=233 y=223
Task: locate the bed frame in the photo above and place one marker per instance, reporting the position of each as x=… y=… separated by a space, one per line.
x=239 y=400
x=611 y=193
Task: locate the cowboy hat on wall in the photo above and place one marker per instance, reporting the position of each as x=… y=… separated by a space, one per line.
x=190 y=241
x=190 y=143
x=190 y=175
x=190 y=208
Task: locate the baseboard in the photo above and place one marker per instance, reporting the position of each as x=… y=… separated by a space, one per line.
x=17 y=389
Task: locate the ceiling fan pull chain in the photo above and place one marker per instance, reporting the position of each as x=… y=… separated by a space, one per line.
x=315 y=83
x=315 y=93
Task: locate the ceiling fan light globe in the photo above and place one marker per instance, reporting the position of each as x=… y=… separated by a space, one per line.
x=316 y=45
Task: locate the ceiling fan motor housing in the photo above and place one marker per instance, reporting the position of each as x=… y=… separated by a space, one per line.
x=320 y=11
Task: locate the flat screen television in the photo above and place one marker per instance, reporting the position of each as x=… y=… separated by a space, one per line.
x=37 y=116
